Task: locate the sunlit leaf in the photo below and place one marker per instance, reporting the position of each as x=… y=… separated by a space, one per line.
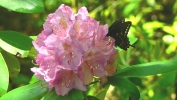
x=15 y=43
x=133 y=40
x=26 y=92
x=34 y=79
x=50 y=96
x=168 y=39
x=171 y=48
x=4 y=75
x=33 y=37
x=146 y=69
x=130 y=7
x=150 y=27
x=25 y=6
x=12 y=64
x=169 y=29
x=32 y=53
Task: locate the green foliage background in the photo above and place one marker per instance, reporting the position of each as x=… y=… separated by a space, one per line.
x=154 y=23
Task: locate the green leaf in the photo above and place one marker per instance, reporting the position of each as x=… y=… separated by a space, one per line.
x=26 y=92
x=124 y=85
x=4 y=75
x=150 y=27
x=130 y=7
x=32 y=53
x=34 y=79
x=166 y=79
x=91 y=98
x=33 y=37
x=50 y=96
x=146 y=69
x=101 y=95
x=72 y=95
x=133 y=40
x=12 y=64
x=25 y=6
x=15 y=43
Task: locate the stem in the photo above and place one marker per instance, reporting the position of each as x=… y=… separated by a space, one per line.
x=94 y=82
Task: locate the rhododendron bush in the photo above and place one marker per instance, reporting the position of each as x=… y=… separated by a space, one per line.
x=71 y=56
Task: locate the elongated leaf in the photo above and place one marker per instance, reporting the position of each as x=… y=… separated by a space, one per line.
x=4 y=75
x=25 y=92
x=147 y=69
x=34 y=79
x=25 y=6
x=124 y=85
x=33 y=37
x=50 y=96
x=72 y=95
x=12 y=64
x=15 y=43
x=166 y=79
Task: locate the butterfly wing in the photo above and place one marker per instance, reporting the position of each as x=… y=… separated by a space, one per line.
x=116 y=25
x=125 y=43
x=115 y=29
x=119 y=30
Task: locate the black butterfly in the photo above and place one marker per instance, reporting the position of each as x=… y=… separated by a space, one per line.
x=119 y=30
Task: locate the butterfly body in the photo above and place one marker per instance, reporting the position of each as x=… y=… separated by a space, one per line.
x=119 y=31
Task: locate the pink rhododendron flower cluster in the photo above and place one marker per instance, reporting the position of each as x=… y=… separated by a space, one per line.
x=72 y=49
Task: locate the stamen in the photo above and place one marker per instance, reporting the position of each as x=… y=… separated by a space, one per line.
x=66 y=46
x=34 y=62
x=48 y=67
x=62 y=84
x=77 y=26
x=72 y=54
x=69 y=37
x=95 y=68
x=109 y=41
x=90 y=54
x=67 y=84
x=63 y=22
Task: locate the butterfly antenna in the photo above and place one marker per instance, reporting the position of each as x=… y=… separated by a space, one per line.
x=132 y=46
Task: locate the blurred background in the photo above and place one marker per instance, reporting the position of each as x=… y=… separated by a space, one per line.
x=154 y=23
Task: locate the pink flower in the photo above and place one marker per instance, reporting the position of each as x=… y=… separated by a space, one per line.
x=72 y=49
x=65 y=80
